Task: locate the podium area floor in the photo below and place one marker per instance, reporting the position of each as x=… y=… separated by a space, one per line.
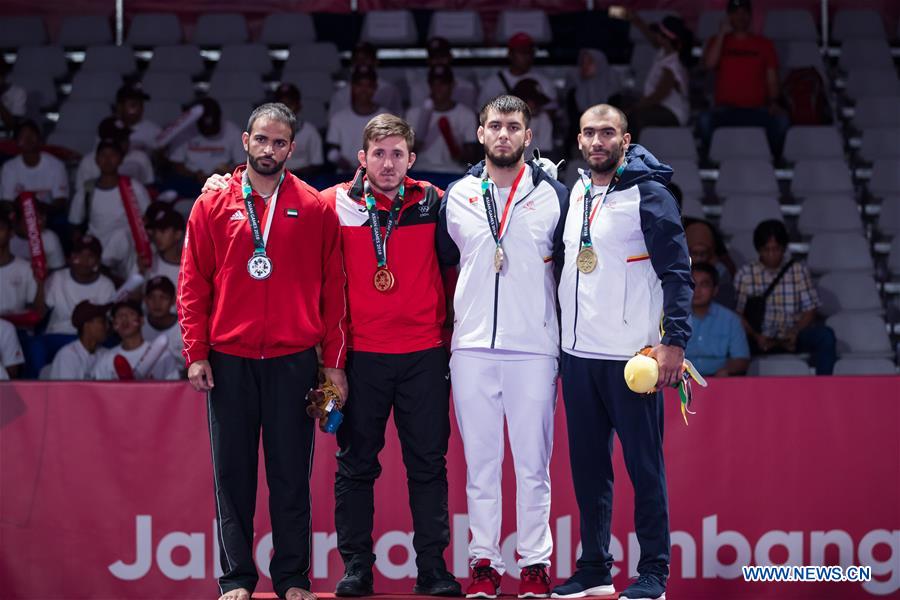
x=331 y=596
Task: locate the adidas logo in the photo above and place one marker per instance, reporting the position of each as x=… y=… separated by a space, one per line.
x=237 y=216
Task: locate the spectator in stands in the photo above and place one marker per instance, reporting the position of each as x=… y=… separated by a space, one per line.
x=11 y=356
x=746 y=69
x=666 y=89
x=307 y=158
x=718 y=344
x=216 y=147
x=13 y=99
x=521 y=61
x=159 y=298
x=135 y=163
x=595 y=83
x=439 y=55
x=445 y=129
x=77 y=359
x=166 y=228
x=130 y=111
x=386 y=94
x=143 y=359
x=19 y=245
x=785 y=319
x=19 y=291
x=34 y=171
x=541 y=126
x=346 y=127
x=706 y=246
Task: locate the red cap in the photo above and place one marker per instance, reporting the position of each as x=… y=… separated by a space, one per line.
x=520 y=41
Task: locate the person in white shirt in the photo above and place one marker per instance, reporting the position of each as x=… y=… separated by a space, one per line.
x=166 y=228
x=345 y=128
x=77 y=359
x=127 y=321
x=445 y=129
x=19 y=290
x=13 y=98
x=19 y=245
x=215 y=148
x=130 y=110
x=34 y=171
x=386 y=94
x=161 y=321
x=135 y=163
x=541 y=126
x=307 y=158
x=81 y=281
x=439 y=55
x=11 y=356
x=521 y=60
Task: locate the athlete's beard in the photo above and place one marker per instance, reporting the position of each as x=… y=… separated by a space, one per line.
x=254 y=164
x=505 y=161
x=608 y=165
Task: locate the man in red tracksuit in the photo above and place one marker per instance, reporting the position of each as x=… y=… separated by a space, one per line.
x=262 y=283
x=397 y=359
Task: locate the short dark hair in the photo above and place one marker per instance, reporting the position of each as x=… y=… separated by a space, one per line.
x=602 y=109
x=506 y=104
x=387 y=125
x=765 y=231
x=275 y=111
x=705 y=267
x=28 y=124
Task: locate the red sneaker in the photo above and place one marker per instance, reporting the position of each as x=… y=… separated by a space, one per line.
x=535 y=583
x=485 y=580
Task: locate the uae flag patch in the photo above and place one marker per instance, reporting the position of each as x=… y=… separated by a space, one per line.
x=290 y=212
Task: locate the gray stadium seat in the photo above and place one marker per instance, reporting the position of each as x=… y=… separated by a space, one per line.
x=790 y=25
x=860 y=333
x=312 y=84
x=708 y=24
x=880 y=142
x=169 y=85
x=772 y=366
x=839 y=252
x=162 y=112
x=746 y=176
x=742 y=213
x=218 y=29
x=182 y=57
x=236 y=85
x=154 y=29
x=885 y=179
x=315 y=111
x=533 y=22
x=855 y=365
x=49 y=60
x=237 y=111
x=795 y=55
x=389 y=28
x=821 y=176
x=109 y=58
x=40 y=88
x=741 y=248
x=22 y=30
x=80 y=31
x=804 y=141
x=881 y=111
x=317 y=56
x=79 y=141
x=95 y=85
x=848 y=291
x=670 y=143
x=862 y=83
x=889 y=218
x=461 y=27
x=829 y=212
x=692 y=207
x=82 y=115
x=687 y=177
x=286 y=29
x=245 y=57
x=893 y=262
x=857 y=24
x=739 y=142
x=865 y=54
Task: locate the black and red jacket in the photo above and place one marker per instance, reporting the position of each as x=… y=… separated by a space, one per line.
x=301 y=304
x=410 y=316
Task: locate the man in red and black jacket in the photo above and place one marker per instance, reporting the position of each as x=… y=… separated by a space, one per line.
x=261 y=284
x=397 y=358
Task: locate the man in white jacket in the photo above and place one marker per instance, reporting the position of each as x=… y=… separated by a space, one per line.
x=626 y=284
x=501 y=224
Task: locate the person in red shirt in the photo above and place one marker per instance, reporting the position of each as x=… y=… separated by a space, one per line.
x=746 y=69
x=262 y=283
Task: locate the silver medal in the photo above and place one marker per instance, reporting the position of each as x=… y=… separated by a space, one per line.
x=259 y=266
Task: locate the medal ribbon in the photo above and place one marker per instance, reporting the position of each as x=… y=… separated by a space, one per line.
x=378 y=241
x=497 y=229
x=259 y=239
x=588 y=202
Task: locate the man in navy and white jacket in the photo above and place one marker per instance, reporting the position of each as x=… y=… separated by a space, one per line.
x=502 y=224
x=626 y=283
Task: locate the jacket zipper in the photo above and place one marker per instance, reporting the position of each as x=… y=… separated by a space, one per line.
x=496 y=296
x=575 y=322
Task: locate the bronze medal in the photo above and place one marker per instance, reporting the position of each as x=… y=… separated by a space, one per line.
x=586 y=260
x=383 y=280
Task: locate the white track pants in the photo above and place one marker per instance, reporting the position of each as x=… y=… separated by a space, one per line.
x=486 y=389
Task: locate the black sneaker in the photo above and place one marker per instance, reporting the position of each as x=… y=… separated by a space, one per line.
x=647 y=587
x=437 y=582
x=585 y=583
x=357 y=581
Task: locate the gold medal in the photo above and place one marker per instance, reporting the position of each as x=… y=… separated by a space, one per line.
x=383 y=280
x=498 y=259
x=586 y=260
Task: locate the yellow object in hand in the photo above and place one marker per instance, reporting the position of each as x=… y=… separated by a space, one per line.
x=641 y=374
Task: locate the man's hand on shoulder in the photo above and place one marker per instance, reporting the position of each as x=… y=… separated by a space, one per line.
x=216 y=182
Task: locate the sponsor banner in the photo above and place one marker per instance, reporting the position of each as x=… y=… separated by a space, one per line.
x=106 y=491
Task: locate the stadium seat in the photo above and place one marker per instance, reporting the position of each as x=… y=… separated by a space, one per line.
x=790 y=25
x=746 y=176
x=462 y=27
x=860 y=333
x=237 y=111
x=317 y=56
x=772 y=366
x=670 y=143
x=219 y=29
x=81 y=31
x=236 y=85
x=687 y=177
x=880 y=142
x=855 y=365
x=533 y=22
x=739 y=143
x=169 y=85
x=245 y=57
x=389 y=28
x=865 y=54
x=889 y=218
x=642 y=58
x=708 y=24
x=39 y=86
x=182 y=57
x=829 y=212
x=807 y=142
x=99 y=85
x=881 y=111
x=817 y=176
x=692 y=207
x=316 y=112
x=741 y=248
x=154 y=29
x=312 y=84
x=885 y=179
x=893 y=262
x=848 y=291
x=863 y=83
x=22 y=30
x=742 y=213
x=855 y=24
x=49 y=60
x=795 y=55
x=110 y=59
x=287 y=29
x=82 y=115
x=162 y=112
x=839 y=251
x=79 y=141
